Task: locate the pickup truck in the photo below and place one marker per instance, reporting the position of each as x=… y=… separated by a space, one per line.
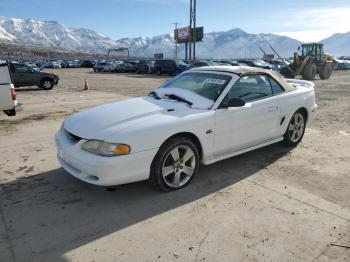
x=23 y=75
x=8 y=99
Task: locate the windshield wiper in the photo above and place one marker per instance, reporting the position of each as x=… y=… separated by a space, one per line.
x=178 y=98
x=155 y=95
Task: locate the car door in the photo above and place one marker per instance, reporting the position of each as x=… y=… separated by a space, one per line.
x=22 y=75
x=256 y=122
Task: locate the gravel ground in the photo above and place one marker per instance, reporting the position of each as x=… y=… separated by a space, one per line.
x=272 y=204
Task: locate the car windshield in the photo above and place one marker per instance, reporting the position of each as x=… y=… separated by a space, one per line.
x=208 y=85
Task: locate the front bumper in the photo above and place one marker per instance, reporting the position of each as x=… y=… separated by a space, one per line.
x=100 y=170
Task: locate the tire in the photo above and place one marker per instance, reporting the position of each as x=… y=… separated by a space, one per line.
x=295 y=130
x=309 y=72
x=179 y=173
x=326 y=71
x=46 y=84
x=159 y=72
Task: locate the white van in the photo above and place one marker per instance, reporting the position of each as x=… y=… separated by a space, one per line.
x=8 y=100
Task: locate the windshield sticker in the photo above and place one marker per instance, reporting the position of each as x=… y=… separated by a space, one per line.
x=215 y=81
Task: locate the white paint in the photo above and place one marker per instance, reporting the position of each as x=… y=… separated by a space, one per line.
x=144 y=124
x=6 y=102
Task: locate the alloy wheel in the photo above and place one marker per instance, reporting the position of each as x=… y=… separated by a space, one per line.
x=179 y=166
x=296 y=127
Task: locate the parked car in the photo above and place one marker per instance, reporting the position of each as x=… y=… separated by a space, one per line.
x=23 y=75
x=255 y=63
x=87 y=64
x=127 y=66
x=203 y=63
x=109 y=66
x=168 y=66
x=227 y=62
x=65 y=64
x=53 y=64
x=341 y=64
x=32 y=65
x=8 y=98
x=277 y=64
x=143 y=67
x=151 y=66
x=204 y=115
x=344 y=58
x=99 y=66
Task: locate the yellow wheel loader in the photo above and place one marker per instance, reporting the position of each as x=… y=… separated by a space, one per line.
x=310 y=62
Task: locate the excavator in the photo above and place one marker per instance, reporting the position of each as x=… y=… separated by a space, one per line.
x=311 y=61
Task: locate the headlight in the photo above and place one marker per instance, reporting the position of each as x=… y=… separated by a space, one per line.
x=105 y=149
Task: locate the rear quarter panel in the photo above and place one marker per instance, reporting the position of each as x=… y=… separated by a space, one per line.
x=6 y=102
x=301 y=97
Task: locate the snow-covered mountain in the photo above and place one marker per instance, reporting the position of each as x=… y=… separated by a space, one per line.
x=338 y=44
x=234 y=43
x=52 y=34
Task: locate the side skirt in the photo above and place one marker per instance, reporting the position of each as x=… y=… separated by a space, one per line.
x=241 y=151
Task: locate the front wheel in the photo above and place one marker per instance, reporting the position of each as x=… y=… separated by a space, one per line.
x=175 y=164
x=309 y=72
x=46 y=84
x=326 y=71
x=295 y=130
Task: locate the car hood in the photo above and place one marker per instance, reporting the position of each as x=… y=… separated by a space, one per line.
x=100 y=122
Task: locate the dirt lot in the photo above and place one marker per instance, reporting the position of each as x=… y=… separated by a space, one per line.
x=273 y=204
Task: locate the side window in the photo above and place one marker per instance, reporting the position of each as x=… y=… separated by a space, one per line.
x=276 y=87
x=21 y=68
x=251 y=87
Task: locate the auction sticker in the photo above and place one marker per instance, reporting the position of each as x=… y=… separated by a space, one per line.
x=215 y=81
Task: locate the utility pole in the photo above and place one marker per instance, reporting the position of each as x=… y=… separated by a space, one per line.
x=194 y=29
x=190 y=31
x=176 y=25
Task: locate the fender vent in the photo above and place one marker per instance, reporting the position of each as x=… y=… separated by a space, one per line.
x=282 y=120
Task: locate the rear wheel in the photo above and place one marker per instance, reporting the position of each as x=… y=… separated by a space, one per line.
x=175 y=164
x=46 y=84
x=309 y=72
x=296 y=129
x=326 y=71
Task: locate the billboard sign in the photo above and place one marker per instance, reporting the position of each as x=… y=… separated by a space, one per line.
x=183 y=35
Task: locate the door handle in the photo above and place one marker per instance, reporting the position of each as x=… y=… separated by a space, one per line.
x=272 y=108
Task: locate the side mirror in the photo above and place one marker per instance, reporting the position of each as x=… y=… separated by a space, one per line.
x=234 y=102
x=298 y=48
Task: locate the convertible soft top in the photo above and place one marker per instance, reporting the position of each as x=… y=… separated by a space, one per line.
x=244 y=70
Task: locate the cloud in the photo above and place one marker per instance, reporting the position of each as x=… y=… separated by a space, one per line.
x=315 y=24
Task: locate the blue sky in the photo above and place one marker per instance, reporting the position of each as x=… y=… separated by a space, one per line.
x=306 y=20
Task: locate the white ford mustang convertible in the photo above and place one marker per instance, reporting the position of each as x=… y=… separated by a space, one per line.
x=199 y=117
